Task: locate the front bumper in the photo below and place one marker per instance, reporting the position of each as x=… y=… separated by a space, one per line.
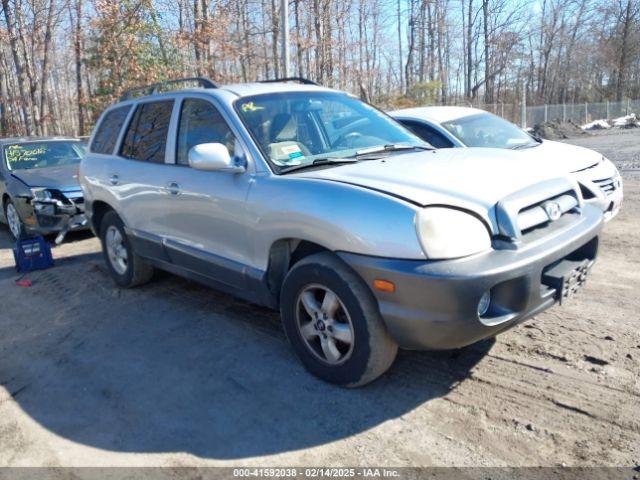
x=45 y=218
x=610 y=204
x=435 y=305
x=602 y=187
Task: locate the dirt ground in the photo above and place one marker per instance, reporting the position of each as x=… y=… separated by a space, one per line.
x=175 y=374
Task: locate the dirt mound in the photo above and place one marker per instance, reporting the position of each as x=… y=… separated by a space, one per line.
x=557 y=130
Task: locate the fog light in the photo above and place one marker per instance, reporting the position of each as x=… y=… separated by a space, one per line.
x=483 y=304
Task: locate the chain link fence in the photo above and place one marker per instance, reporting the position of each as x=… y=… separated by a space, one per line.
x=579 y=113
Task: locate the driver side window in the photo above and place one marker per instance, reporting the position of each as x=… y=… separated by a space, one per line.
x=200 y=122
x=428 y=134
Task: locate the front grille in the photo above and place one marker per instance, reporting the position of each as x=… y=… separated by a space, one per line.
x=607 y=185
x=537 y=210
x=536 y=216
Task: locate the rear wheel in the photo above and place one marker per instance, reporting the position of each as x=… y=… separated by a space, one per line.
x=13 y=219
x=127 y=269
x=333 y=323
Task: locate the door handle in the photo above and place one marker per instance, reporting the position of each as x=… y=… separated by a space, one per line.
x=114 y=179
x=173 y=188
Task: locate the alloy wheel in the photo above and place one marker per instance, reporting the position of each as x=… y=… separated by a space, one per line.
x=324 y=324
x=13 y=219
x=116 y=250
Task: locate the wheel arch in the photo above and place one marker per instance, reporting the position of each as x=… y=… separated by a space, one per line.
x=99 y=210
x=283 y=255
x=3 y=215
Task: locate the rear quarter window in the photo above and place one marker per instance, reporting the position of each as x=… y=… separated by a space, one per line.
x=106 y=136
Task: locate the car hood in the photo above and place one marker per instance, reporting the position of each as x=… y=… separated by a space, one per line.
x=60 y=177
x=568 y=158
x=470 y=178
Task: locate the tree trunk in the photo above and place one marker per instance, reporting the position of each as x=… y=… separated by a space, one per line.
x=296 y=14
x=77 y=45
x=622 y=62
x=400 y=47
x=275 y=30
x=488 y=88
x=469 y=74
x=44 y=80
x=20 y=71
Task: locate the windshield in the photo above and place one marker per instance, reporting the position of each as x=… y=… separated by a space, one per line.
x=298 y=128
x=487 y=130
x=23 y=156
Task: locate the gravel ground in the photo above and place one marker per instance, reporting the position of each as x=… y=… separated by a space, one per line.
x=621 y=146
x=175 y=374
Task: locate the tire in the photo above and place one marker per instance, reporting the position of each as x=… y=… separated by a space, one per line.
x=133 y=270
x=8 y=206
x=306 y=288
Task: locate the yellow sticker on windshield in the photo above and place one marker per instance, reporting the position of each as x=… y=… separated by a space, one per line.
x=23 y=153
x=250 y=107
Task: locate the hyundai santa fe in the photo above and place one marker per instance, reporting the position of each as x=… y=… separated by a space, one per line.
x=307 y=200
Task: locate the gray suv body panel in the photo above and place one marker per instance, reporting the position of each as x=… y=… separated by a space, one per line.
x=225 y=229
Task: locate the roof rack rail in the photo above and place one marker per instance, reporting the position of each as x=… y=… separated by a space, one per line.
x=153 y=88
x=302 y=80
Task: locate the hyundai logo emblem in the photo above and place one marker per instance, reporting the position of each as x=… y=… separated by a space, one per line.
x=554 y=212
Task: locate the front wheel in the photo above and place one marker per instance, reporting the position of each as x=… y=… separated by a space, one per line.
x=13 y=219
x=333 y=322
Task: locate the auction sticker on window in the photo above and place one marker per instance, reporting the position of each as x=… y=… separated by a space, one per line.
x=21 y=156
x=251 y=107
x=293 y=152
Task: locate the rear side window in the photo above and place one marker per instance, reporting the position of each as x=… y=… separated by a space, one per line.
x=428 y=134
x=146 y=138
x=200 y=122
x=107 y=134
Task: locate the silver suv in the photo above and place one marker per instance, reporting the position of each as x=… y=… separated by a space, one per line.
x=306 y=199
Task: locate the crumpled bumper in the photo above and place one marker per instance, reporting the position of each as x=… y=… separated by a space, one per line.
x=46 y=218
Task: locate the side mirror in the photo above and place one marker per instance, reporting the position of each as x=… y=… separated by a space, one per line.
x=213 y=157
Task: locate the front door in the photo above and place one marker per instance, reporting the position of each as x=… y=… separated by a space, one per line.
x=205 y=223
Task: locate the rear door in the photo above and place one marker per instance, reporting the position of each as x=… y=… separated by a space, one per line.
x=206 y=217
x=137 y=174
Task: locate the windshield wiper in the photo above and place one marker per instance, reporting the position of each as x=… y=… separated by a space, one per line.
x=391 y=147
x=524 y=145
x=319 y=162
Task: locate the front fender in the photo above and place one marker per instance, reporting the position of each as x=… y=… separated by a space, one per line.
x=338 y=216
x=21 y=195
x=17 y=188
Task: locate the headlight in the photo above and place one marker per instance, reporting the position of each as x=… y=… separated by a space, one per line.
x=41 y=194
x=449 y=233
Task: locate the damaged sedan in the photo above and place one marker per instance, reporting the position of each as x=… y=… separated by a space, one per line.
x=39 y=185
